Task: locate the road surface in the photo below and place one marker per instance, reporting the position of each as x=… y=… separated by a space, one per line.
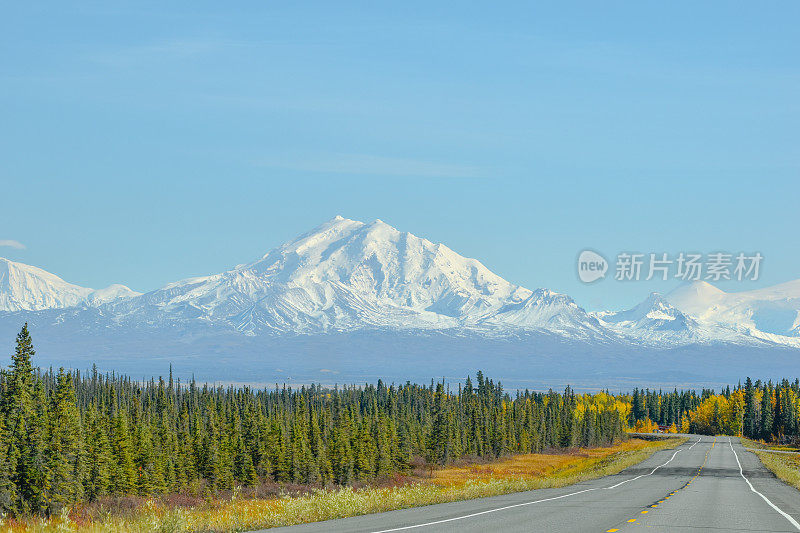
x=707 y=484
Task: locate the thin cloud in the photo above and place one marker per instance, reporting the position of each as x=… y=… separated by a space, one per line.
x=163 y=51
x=362 y=164
x=12 y=244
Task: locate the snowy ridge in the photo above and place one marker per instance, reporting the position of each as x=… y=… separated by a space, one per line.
x=772 y=313
x=27 y=288
x=342 y=275
x=347 y=275
x=656 y=322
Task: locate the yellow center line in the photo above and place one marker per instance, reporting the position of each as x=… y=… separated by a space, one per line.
x=699 y=470
x=655 y=505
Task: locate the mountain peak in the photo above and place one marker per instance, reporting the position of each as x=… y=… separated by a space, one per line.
x=336 y=221
x=110 y=293
x=347 y=275
x=696 y=297
x=698 y=288
x=653 y=320
x=654 y=307
x=28 y=288
x=656 y=298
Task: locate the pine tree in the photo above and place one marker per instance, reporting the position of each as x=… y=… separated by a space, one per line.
x=365 y=452
x=7 y=488
x=304 y=468
x=342 y=460
x=323 y=463
x=767 y=412
x=18 y=411
x=226 y=459
x=212 y=450
x=123 y=471
x=437 y=451
x=185 y=469
x=383 y=438
x=402 y=459
x=66 y=438
x=144 y=458
x=98 y=455
x=34 y=465
x=276 y=450
x=244 y=470
x=66 y=447
x=750 y=427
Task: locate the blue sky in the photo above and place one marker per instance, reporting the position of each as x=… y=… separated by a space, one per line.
x=143 y=143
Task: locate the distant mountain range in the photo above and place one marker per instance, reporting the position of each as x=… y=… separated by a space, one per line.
x=347 y=277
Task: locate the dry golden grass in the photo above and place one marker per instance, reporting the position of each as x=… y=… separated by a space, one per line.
x=760 y=444
x=513 y=474
x=539 y=465
x=783 y=465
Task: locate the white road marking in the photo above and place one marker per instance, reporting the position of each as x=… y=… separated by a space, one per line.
x=435 y=522
x=656 y=468
x=741 y=473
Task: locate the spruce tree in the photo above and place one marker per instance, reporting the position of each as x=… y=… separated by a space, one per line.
x=750 y=427
x=34 y=465
x=767 y=412
x=323 y=463
x=64 y=439
x=437 y=451
x=276 y=449
x=123 y=471
x=145 y=459
x=212 y=450
x=98 y=455
x=365 y=452
x=66 y=447
x=304 y=468
x=342 y=460
x=18 y=411
x=7 y=488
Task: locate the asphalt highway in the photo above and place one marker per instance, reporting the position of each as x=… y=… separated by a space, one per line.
x=706 y=484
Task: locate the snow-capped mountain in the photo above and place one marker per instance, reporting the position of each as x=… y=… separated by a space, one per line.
x=27 y=288
x=656 y=322
x=346 y=276
x=653 y=314
x=771 y=313
x=699 y=313
x=109 y=294
x=549 y=311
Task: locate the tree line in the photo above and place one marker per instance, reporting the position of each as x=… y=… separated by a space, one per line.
x=67 y=437
x=757 y=410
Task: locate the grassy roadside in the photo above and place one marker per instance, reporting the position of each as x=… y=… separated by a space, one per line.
x=513 y=474
x=783 y=465
x=760 y=445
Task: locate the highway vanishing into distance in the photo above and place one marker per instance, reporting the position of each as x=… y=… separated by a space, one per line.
x=706 y=484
